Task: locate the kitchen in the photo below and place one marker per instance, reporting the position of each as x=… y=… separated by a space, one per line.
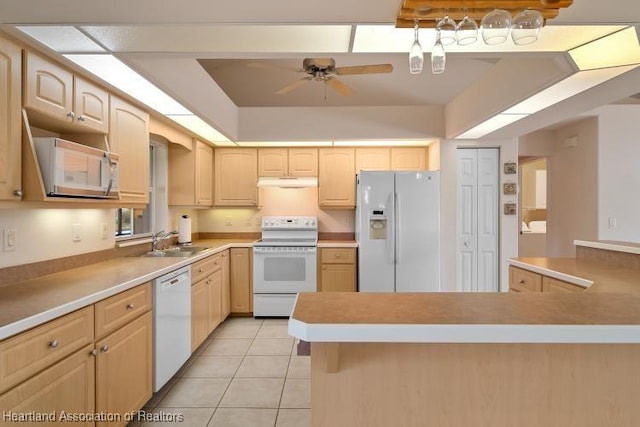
x=574 y=217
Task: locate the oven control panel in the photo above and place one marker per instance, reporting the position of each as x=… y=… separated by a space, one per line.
x=289 y=223
x=277 y=250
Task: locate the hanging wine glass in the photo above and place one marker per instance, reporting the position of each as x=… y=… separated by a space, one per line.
x=466 y=31
x=438 y=55
x=495 y=26
x=416 y=57
x=447 y=28
x=526 y=27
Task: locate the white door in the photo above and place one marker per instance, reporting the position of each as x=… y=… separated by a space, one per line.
x=477 y=263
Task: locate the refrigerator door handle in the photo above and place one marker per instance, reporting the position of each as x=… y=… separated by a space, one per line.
x=396 y=227
x=392 y=227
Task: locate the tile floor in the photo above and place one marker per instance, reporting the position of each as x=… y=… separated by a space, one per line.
x=246 y=374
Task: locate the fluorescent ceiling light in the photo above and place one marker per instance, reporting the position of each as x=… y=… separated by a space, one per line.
x=572 y=85
x=488 y=126
x=62 y=38
x=374 y=143
x=387 y=38
x=199 y=126
x=614 y=50
x=284 y=143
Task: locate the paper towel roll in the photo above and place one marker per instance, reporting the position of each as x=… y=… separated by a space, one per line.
x=184 y=230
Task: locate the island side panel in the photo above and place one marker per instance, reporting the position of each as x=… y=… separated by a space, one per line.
x=479 y=385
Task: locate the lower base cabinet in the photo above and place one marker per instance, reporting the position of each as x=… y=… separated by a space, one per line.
x=521 y=280
x=240 y=280
x=337 y=270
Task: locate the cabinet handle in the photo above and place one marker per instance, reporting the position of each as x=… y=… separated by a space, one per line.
x=130 y=306
x=104 y=348
x=338 y=255
x=93 y=352
x=53 y=344
x=71 y=114
x=81 y=118
x=521 y=281
x=18 y=192
x=200 y=270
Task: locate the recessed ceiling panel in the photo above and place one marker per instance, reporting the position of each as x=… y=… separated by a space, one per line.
x=223 y=38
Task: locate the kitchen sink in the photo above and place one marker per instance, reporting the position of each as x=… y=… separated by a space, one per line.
x=176 y=251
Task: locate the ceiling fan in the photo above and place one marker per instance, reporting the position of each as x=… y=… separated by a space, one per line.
x=325 y=70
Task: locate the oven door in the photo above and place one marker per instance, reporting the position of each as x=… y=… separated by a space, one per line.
x=284 y=269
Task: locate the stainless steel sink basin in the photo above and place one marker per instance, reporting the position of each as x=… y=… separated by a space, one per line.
x=177 y=251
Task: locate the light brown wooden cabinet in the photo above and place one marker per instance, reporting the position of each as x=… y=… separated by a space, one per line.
x=409 y=158
x=336 y=178
x=521 y=280
x=240 y=280
x=191 y=174
x=11 y=130
x=550 y=284
x=206 y=298
x=337 y=270
x=62 y=101
x=225 y=293
x=129 y=137
x=199 y=313
x=281 y=162
x=236 y=177
x=373 y=159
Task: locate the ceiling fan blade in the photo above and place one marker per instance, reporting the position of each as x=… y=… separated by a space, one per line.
x=293 y=86
x=364 y=69
x=338 y=86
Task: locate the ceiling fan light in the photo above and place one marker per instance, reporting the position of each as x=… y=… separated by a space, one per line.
x=416 y=58
x=495 y=26
x=526 y=27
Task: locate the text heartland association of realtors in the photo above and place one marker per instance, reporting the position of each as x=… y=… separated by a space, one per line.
x=64 y=416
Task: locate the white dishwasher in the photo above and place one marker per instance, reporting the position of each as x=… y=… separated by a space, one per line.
x=171 y=324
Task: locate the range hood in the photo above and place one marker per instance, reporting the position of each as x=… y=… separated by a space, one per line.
x=287 y=182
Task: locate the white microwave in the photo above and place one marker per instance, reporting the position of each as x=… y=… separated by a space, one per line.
x=70 y=169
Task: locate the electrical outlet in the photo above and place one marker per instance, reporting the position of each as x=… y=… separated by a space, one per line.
x=76 y=232
x=248 y=222
x=613 y=223
x=10 y=239
x=227 y=221
x=257 y=221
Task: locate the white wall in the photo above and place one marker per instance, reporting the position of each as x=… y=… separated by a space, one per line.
x=619 y=172
x=44 y=234
x=277 y=201
x=508 y=223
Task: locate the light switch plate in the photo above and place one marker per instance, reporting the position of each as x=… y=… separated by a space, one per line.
x=75 y=233
x=9 y=239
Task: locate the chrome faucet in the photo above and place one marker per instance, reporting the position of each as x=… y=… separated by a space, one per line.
x=159 y=237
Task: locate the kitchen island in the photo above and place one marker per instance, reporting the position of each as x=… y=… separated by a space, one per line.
x=481 y=360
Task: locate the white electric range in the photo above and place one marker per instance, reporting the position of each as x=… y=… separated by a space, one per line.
x=284 y=263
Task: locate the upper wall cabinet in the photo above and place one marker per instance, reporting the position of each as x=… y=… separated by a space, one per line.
x=296 y=162
x=373 y=159
x=336 y=178
x=129 y=137
x=409 y=158
x=191 y=174
x=10 y=131
x=57 y=100
x=236 y=177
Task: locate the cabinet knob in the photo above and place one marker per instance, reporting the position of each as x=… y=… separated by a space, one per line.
x=130 y=306
x=81 y=118
x=93 y=352
x=338 y=255
x=521 y=281
x=18 y=192
x=104 y=348
x=53 y=344
x=71 y=114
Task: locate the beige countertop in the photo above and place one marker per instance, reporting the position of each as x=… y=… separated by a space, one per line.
x=337 y=244
x=610 y=245
x=595 y=276
x=30 y=303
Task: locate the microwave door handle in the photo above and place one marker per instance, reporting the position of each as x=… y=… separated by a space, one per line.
x=110 y=185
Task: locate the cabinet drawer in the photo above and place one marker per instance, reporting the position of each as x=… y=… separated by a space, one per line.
x=203 y=268
x=122 y=308
x=30 y=352
x=338 y=256
x=524 y=280
x=554 y=285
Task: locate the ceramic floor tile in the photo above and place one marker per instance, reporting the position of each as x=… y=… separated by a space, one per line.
x=263 y=367
x=195 y=393
x=160 y=394
x=275 y=321
x=183 y=417
x=228 y=346
x=243 y=417
x=253 y=393
x=299 y=367
x=294 y=418
x=296 y=394
x=273 y=331
x=271 y=347
x=235 y=321
x=214 y=366
x=238 y=331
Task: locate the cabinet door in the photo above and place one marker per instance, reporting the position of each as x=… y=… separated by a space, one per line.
x=90 y=105
x=182 y=182
x=11 y=131
x=273 y=162
x=199 y=313
x=124 y=369
x=215 y=303
x=338 y=278
x=303 y=162
x=226 y=290
x=373 y=159
x=236 y=177
x=67 y=386
x=240 y=281
x=524 y=280
x=408 y=158
x=48 y=88
x=204 y=174
x=337 y=179
x=554 y=285
x=129 y=137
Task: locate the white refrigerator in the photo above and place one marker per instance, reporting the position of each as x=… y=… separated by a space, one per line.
x=398 y=231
